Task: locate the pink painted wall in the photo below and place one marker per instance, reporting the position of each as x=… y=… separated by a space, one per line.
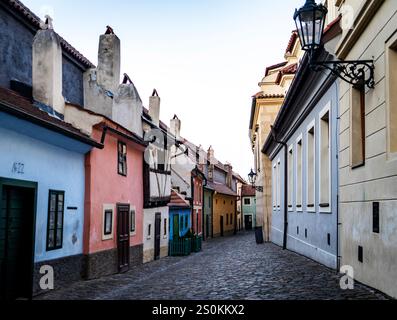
x=105 y=186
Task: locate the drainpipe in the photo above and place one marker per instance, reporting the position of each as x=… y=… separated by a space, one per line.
x=285 y=237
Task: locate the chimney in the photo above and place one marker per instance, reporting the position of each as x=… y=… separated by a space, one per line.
x=127 y=107
x=175 y=126
x=154 y=108
x=229 y=176
x=108 y=73
x=47 y=68
x=211 y=160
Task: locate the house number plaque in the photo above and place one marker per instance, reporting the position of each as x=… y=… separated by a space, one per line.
x=18 y=168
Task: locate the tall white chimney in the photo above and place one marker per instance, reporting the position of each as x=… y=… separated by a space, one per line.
x=127 y=107
x=154 y=107
x=47 y=68
x=108 y=71
x=175 y=126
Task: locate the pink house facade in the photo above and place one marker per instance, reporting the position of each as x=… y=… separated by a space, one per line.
x=114 y=202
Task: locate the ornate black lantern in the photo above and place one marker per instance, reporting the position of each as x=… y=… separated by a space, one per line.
x=310 y=23
x=252 y=180
x=252 y=177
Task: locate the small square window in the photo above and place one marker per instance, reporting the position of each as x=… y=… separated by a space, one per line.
x=108 y=225
x=133 y=221
x=122 y=158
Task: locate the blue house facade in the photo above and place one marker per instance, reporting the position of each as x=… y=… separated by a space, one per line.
x=304 y=152
x=180 y=216
x=42 y=163
x=42 y=196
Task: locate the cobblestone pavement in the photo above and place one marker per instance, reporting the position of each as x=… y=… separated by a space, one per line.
x=233 y=268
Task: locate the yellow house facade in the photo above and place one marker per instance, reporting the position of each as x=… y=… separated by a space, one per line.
x=224 y=214
x=368 y=145
x=265 y=107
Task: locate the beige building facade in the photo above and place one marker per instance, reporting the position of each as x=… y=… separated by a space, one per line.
x=265 y=107
x=368 y=145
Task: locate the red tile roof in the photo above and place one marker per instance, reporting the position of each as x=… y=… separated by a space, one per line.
x=292 y=41
x=222 y=189
x=177 y=201
x=248 y=191
x=15 y=104
x=35 y=22
x=275 y=66
x=291 y=69
x=261 y=95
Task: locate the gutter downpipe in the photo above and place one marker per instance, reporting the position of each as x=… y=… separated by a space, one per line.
x=285 y=236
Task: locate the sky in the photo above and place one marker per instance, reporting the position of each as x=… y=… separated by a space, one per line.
x=204 y=57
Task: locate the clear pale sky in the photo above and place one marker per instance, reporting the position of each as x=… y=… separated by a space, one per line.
x=205 y=57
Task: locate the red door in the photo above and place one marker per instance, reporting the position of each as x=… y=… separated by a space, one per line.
x=123 y=234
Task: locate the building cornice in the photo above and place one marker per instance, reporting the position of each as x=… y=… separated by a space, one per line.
x=366 y=13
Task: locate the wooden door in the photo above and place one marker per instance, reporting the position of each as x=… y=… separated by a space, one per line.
x=248 y=222
x=175 y=227
x=157 y=236
x=207 y=226
x=222 y=227
x=16 y=242
x=123 y=236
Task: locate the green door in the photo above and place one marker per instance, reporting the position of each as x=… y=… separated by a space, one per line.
x=16 y=241
x=175 y=227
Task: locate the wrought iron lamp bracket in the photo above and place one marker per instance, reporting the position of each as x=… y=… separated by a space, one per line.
x=258 y=188
x=358 y=73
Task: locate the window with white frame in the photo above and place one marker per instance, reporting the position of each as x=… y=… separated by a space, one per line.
x=299 y=174
x=247 y=201
x=107 y=221
x=275 y=188
x=391 y=97
x=325 y=159
x=311 y=167
x=133 y=221
x=290 y=176
x=278 y=183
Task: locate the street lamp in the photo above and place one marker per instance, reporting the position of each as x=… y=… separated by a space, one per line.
x=310 y=23
x=252 y=180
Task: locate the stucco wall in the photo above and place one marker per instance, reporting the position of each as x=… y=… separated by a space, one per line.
x=249 y=210
x=52 y=168
x=148 y=241
x=317 y=221
x=376 y=180
x=223 y=205
x=106 y=187
x=183 y=229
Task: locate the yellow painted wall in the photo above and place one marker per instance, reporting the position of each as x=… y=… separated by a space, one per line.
x=224 y=205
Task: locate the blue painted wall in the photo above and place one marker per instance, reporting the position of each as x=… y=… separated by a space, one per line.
x=52 y=167
x=181 y=213
x=318 y=223
x=249 y=209
x=16 y=41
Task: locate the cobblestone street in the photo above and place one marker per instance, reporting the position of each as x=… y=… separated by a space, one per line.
x=228 y=268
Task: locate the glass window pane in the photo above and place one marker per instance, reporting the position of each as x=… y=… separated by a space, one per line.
x=60 y=219
x=59 y=238
x=51 y=222
x=51 y=239
x=53 y=201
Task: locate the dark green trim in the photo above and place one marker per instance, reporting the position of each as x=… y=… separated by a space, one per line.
x=28 y=185
x=57 y=193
